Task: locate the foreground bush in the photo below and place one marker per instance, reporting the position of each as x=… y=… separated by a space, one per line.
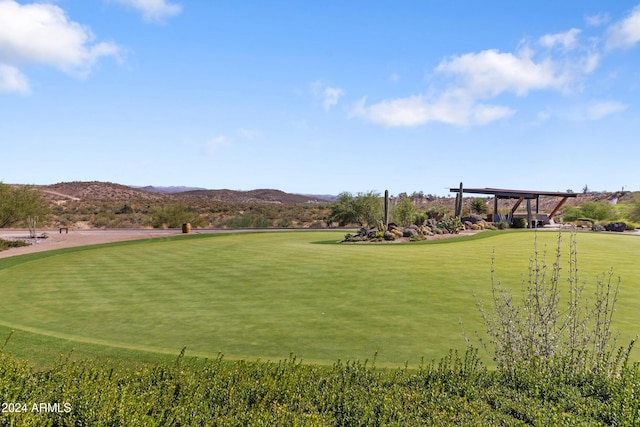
x=455 y=391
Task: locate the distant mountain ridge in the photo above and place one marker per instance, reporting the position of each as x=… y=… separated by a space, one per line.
x=97 y=190
x=168 y=190
x=253 y=196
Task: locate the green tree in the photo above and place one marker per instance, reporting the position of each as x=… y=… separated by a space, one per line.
x=597 y=210
x=362 y=209
x=19 y=203
x=634 y=210
x=571 y=213
x=174 y=215
x=404 y=211
x=343 y=210
x=369 y=208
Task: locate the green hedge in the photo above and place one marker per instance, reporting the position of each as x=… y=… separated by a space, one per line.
x=455 y=391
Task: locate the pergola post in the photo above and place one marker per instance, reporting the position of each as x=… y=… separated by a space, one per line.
x=557 y=208
x=520 y=195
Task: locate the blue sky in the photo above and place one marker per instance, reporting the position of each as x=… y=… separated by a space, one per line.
x=321 y=96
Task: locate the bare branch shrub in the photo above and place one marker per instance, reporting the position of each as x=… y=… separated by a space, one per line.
x=539 y=326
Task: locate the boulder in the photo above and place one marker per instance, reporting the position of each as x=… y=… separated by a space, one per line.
x=473 y=219
x=409 y=232
x=616 y=226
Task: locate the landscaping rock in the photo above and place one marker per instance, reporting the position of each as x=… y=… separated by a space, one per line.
x=473 y=219
x=616 y=226
x=409 y=232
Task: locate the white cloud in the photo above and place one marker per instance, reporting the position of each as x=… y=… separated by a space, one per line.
x=598 y=110
x=214 y=144
x=41 y=33
x=417 y=110
x=626 y=33
x=12 y=80
x=597 y=20
x=476 y=77
x=490 y=72
x=590 y=62
x=567 y=40
x=153 y=10
x=331 y=96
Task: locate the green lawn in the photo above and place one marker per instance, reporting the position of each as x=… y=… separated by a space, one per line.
x=266 y=295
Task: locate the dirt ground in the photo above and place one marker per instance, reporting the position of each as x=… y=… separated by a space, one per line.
x=57 y=240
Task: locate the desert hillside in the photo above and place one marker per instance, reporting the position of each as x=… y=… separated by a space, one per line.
x=95 y=204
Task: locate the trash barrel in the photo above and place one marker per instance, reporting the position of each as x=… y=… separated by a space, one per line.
x=186 y=227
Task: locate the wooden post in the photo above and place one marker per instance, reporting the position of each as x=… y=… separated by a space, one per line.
x=557 y=208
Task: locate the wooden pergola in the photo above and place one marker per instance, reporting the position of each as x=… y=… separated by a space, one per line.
x=520 y=195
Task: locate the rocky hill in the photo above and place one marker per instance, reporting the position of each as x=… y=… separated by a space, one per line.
x=252 y=196
x=108 y=191
x=96 y=190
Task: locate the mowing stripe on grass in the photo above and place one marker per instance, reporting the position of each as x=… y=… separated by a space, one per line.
x=265 y=295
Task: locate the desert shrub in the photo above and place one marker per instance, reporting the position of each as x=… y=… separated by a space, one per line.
x=420 y=219
x=174 y=215
x=502 y=225
x=404 y=212
x=436 y=212
x=519 y=223
x=537 y=329
x=248 y=220
x=396 y=233
x=451 y=224
x=8 y=244
x=597 y=210
x=126 y=209
x=634 y=209
x=285 y=223
x=478 y=206
x=416 y=237
x=571 y=213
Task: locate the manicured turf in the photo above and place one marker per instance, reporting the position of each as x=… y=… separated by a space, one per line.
x=266 y=295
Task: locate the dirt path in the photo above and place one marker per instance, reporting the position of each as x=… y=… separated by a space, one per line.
x=57 y=240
